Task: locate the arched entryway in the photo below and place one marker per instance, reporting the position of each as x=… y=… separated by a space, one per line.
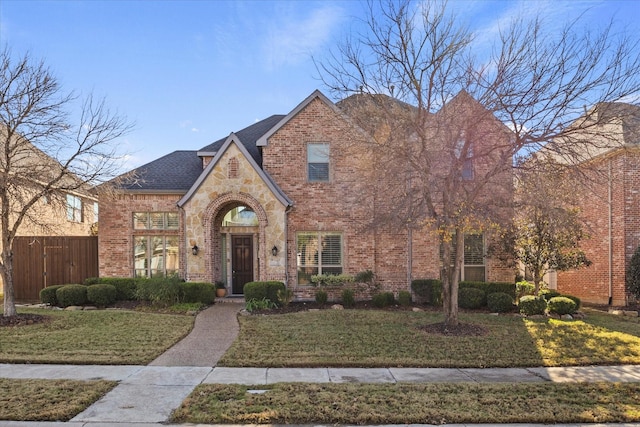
x=236 y=225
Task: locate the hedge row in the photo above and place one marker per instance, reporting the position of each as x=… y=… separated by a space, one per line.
x=106 y=291
x=552 y=302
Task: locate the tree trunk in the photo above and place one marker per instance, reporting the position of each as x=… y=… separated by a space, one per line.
x=450 y=274
x=6 y=271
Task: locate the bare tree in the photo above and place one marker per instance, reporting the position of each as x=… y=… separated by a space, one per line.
x=42 y=154
x=533 y=84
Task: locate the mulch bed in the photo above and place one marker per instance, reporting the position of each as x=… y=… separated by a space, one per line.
x=23 y=320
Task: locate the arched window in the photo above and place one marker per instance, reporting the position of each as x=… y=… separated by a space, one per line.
x=242 y=216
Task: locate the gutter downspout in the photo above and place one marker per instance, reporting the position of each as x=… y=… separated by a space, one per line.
x=286 y=246
x=610 y=195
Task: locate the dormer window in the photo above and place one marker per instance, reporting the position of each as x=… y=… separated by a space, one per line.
x=318 y=162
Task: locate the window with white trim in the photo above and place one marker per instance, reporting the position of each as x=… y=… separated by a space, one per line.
x=318 y=162
x=155 y=256
x=155 y=221
x=473 y=259
x=318 y=253
x=74 y=208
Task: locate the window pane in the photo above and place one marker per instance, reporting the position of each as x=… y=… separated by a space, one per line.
x=307 y=249
x=473 y=249
x=332 y=270
x=157 y=253
x=318 y=162
x=141 y=220
x=318 y=153
x=172 y=221
x=331 y=250
x=171 y=255
x=140 y=255
x=474 y=274
x=318 y=171
x=305 y=273
x=157 y=220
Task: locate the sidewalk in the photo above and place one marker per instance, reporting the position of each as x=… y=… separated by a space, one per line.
x=146 y=395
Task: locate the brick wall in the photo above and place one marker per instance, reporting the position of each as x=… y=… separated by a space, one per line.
x=115 y=239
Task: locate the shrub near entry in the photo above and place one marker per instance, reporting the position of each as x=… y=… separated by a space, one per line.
x=530 y=305
x=499 y=302
x=48 y=295
x=561 y=305
x=471 y=298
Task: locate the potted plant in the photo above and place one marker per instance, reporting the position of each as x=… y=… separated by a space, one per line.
x=221 y=290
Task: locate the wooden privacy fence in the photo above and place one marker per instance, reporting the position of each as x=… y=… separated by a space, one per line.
x=45 y=261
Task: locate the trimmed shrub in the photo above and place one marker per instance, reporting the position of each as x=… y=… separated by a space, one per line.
x=499 y=302
x=159 y=290
x=577 y=300
x=383 y=299
x=524 y=288
x=430 y=289
x=561 y=305
x=471 y=298
x=125 y=286
x=263 y=290
x=322 y=297
x=547 y=294
x=69 y=295
x=531 y=305
x=491 y=287
x=101 y=295
x=201 y=292
x=348 y=298
x=48 y=295
x=404 y=298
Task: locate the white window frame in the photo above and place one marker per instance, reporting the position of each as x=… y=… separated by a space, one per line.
x=74 y=209
x=318 y=151
x=321 y=266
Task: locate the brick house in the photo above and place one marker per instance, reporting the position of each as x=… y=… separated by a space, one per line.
x=610 y=207
x=282 y=199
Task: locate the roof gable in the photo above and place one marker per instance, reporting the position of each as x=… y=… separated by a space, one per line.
x=263 y=140
x=233 y=139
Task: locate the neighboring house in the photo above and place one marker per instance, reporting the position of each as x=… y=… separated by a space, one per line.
x=61 y=213
x=279 y=200
x=610 y=207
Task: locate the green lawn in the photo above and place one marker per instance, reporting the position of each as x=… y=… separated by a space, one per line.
x=48 y=400
x=354 y=404
x=93 y=337
x=371 y=338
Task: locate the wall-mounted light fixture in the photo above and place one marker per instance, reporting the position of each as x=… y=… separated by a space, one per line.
x=194 y=250
x=274 y=251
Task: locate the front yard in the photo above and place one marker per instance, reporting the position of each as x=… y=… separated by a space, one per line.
x=103 y=337
x=374 y=338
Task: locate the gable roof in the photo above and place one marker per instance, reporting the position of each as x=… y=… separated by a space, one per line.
x=233 y=139
x=174 y=172
x=262 y=141
x=247 y=136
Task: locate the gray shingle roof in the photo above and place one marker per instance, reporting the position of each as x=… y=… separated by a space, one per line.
x=175 y=171
x=178 y=171
x=248 y=136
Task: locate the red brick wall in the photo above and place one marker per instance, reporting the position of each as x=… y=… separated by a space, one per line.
x=116 y=234
x=608 y=268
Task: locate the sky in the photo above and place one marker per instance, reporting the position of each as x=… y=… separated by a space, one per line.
x=188 y=73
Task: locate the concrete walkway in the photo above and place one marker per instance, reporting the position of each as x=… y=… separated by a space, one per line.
x=146 y=395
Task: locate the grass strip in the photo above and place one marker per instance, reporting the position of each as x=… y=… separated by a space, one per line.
x=93 y=337
x=372 y=338
x=412 y=404
x=48 y=400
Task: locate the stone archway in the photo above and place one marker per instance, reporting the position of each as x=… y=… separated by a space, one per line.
x=212 y=220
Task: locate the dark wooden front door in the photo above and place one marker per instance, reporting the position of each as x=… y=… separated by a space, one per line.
x=241 y=262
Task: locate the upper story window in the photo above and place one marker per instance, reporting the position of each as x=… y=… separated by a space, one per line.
x=464 y=152
x=318 y=162
x=74 y=208
x=155 y=221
